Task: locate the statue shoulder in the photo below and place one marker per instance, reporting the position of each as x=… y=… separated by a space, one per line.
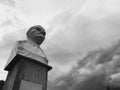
x=19 y=45
x=21 y=42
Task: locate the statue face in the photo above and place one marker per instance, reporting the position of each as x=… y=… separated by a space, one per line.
x=36 y=34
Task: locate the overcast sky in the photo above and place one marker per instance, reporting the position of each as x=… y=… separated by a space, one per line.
x=73 y=27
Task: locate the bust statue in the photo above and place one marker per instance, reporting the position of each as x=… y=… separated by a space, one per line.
x=36 y=35
x=31 y=47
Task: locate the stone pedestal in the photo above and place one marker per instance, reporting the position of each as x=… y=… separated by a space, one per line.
x=26 y=74
x=28 y=66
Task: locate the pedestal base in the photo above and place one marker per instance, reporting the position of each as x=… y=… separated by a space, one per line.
x=27 y=72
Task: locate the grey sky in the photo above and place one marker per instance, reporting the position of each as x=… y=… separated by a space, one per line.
x=73 y=27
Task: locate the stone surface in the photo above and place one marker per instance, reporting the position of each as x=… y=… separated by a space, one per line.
x=10 y=80
x=28 y=70
x=25 y=85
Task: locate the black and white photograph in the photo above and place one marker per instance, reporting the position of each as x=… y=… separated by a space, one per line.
x=59 y=44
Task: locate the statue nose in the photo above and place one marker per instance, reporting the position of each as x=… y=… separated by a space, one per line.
x=43 y=33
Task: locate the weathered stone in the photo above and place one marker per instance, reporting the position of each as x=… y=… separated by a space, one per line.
x=25 y=85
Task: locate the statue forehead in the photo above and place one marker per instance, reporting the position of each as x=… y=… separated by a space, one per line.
x=37 y=28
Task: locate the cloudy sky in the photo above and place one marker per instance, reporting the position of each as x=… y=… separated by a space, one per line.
x=73 y=28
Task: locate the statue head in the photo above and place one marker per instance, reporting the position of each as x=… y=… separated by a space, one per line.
x=36 y=34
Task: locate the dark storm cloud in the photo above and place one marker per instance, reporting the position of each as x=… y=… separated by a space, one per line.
x=80 y=33
x=91 y=75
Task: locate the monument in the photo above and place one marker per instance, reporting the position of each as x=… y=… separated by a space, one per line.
x=27 y=65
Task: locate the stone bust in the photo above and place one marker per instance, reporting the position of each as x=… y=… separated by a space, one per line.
x=36 y=35
x=31 y=47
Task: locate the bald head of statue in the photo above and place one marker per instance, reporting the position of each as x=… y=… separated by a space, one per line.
x=36 y=34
